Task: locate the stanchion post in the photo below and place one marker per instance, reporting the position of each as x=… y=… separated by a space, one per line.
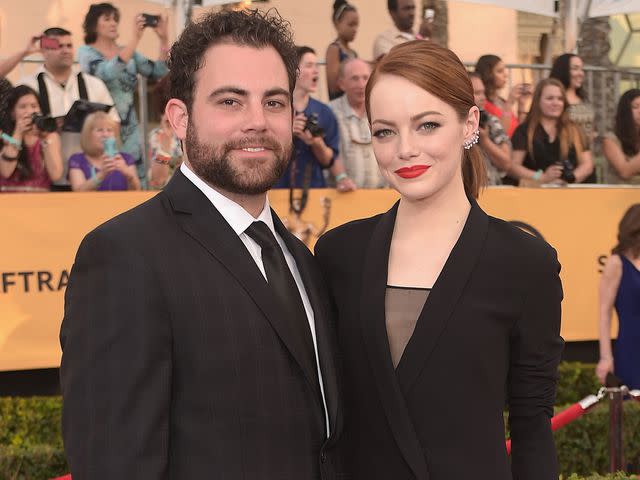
x=616 y=451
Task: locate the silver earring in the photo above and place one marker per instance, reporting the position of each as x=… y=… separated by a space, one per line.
x=472 y=141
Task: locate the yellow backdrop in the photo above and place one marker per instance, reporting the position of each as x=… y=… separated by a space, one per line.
x=41 y=232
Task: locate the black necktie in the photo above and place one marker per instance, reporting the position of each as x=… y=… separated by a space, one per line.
x=286 y=291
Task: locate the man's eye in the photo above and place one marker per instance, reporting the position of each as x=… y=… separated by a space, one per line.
x=229 y=102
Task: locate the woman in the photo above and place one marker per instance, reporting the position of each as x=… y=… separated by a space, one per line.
x=118 y=65
x=165 y=151
x=444 y=315
x=95 y=169
x=30 y=158
x=345 y=20
x=569 y=69
x=621 y=147
x=547 y=147
x=494 y=75
x=620 y=288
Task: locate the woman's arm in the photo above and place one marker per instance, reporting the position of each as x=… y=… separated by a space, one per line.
x=52 y=153
x=499 y=155
x=8 y=161
x=616 y=157
x=519 y=171
x=332 y=58
x=609 y=283
x=584 y=167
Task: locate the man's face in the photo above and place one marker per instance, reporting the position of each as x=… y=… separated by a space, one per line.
x=61 y=57
x=309 y=73
x=404 y=16
x=239 y=131
x=354 y=80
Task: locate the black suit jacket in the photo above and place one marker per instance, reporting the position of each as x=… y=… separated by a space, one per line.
x=487 y=336
x=177 y=363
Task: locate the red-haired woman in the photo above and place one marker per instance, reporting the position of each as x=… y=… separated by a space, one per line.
x=444 y=314
x=548 y=147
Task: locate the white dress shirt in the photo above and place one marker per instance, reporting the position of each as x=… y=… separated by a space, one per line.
x=239 y=220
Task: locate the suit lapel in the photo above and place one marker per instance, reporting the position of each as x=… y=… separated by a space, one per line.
x=197 y=216
x=314 y=286
x=374 y=332
x=443 y=297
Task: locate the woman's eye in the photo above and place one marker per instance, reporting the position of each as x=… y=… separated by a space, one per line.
x=383 y=132
x=429 y=126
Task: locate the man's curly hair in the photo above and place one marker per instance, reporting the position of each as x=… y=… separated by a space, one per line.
x=251 y=28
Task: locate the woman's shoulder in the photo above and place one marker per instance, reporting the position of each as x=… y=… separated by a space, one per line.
x=349 y=237
x=128 y=159
x=77 y=160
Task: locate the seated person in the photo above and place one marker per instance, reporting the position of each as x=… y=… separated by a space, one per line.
x=96 y=168
x=547 y=147
x=30 y=157
x=621 y=147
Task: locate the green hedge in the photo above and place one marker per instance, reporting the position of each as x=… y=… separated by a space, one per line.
x=31 y=440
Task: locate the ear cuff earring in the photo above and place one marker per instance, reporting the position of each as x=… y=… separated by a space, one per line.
x=472 y=141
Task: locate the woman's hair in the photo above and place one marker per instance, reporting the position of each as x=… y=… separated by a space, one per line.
x=629 y=233
x=484 y=67
x=339 y=9
x=625 y=127
x=8 y=124
x=566 y=129
x=438 y=71
x=90 y=24
x=561 y=70
x=87 y=127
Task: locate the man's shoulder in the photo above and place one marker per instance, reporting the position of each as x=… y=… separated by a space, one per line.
x=30 y=81
x=321 y=108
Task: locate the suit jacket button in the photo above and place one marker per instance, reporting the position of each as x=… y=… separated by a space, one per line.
x=323 y=457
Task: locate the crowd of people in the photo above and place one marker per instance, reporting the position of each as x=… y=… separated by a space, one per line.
x=529 y=135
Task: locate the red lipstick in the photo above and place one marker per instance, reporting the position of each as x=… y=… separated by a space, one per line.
x=413 y=171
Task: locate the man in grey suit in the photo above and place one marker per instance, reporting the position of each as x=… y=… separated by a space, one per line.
x=196 y=338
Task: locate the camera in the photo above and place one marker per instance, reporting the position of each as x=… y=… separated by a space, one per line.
x=151 y=20
x=567 y=171
x=44 y=123
x=312 y=126
x=484 y=118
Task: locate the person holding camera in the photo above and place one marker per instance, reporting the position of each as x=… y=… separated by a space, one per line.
x=547 y=146
x=59 y=86
x=118 y=66
x=100 y=166
x=30 y=156
x=316 y=134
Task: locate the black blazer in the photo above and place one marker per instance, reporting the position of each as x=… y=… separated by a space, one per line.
x=177 y=363
x=488 y=336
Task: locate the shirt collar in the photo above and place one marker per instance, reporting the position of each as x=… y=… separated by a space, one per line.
x=405 y=35
x=47 y=73
x=236 y=216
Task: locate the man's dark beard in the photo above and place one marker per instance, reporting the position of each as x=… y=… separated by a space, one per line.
x=214 y=165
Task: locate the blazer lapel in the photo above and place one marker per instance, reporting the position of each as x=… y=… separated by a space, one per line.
x=374 y=332
x=443 y=297
x=201 y=220
x=314 y=286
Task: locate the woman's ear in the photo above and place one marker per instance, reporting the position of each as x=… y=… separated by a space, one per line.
x=471 y=123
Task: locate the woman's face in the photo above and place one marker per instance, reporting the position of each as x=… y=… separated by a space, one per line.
x=576 y=72
x=417 y=138
x=500 y=75
x=107 y=26
x=635 y=111
x=101 y=131
x=347 y=26
x=25 y=107
x=551 y=102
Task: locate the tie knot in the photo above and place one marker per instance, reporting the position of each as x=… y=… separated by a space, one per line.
x=262 y=235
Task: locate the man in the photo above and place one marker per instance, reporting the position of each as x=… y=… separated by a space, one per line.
x=59 y=86
x=494 y=141
x=196 y=340
x=355 y=136
x=317 y=141
x=403 y=14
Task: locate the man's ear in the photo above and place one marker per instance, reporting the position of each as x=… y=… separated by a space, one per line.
x=176 y=112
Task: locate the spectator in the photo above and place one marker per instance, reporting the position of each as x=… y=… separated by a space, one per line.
x=59 y=86
x=94 y=168
x=621 y=147
x=317 y=141
x=547 y=147
x=345 y=21
x=620 y=288
x=403 y=13
x=494 y=141
x=8 y=64
x=356 y=151
x=118 y=65
x=493 y=73
x=30 y=157
x=165 y=151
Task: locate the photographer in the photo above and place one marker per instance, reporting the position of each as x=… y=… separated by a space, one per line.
x=315 y=128
x=494 y=141
x=30 y=157
x=59 y=86
x=547 y=147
